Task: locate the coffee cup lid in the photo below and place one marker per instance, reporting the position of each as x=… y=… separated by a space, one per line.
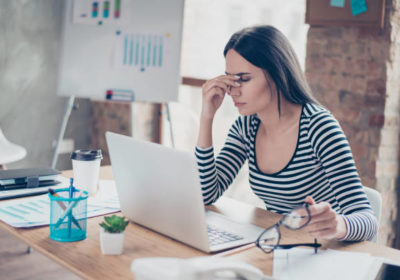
x=86 y=155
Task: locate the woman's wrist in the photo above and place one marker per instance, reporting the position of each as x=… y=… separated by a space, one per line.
x=341 y=228
x=205 y=133
x=206 y=116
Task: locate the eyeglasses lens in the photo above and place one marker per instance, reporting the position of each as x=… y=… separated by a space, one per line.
x=269 y=239
x=296 y=219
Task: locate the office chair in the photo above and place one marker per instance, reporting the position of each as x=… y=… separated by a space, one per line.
x=375 y=199
x=180 y=119
x=9 y=152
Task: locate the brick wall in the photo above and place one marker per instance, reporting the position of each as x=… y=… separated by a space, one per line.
x=108 y=116
x=117 y=117
x=354 y=72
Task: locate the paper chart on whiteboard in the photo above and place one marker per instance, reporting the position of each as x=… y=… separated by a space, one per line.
x=94 y=12
x=141 y=51
x=129 y=53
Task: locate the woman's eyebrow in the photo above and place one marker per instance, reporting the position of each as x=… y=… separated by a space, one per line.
x=238 y=74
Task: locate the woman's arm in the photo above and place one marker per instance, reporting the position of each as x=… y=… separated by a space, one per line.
x=356 y=220
x=214 y=178
x=217 y=174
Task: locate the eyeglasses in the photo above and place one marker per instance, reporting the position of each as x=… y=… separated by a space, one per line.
x=295 y=220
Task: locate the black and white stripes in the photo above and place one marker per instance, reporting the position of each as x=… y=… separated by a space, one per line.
x=322 y=166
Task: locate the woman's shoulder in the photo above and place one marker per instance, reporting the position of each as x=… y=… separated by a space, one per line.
x=319 y=120
x=314 y=112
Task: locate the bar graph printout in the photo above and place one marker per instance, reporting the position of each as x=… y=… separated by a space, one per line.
x=142 y=52
x=101 y=11
x=35 y=211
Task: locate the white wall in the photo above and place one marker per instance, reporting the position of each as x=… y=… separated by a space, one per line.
x=30 y=111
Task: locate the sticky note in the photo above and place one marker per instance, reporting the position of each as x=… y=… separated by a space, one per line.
x=337 y=3
x=358 y=7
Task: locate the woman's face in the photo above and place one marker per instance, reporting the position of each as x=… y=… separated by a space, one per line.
x=254 y=94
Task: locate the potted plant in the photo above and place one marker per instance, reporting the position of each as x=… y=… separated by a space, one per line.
x=112 y=235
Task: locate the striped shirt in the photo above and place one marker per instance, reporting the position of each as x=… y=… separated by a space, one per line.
x=322 y=167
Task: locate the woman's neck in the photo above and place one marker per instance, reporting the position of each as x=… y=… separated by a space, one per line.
x=271 y=121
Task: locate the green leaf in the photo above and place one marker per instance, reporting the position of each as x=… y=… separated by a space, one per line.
x=114 y=224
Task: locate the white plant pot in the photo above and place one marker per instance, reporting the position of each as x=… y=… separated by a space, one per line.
x=111 y=243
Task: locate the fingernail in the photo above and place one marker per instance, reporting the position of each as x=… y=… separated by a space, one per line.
x=237 y=77
x=238 y=84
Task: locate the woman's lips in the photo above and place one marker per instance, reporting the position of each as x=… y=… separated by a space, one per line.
x=238 y=104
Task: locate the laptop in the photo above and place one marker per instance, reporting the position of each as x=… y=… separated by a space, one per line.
x=159 y=188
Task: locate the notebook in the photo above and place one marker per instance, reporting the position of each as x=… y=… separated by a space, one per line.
x=30 y=181
x=159 y=188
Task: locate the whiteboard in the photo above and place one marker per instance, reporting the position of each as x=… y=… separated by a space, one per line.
x=126 y=46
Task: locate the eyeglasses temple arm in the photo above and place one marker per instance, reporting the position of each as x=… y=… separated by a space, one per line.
x=289 y=246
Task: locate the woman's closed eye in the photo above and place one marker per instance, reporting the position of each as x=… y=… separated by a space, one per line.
x=244 y=79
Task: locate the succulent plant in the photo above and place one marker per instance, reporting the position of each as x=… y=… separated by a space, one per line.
x=114 y=224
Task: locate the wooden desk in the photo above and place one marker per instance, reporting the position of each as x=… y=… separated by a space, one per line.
x=86 y=260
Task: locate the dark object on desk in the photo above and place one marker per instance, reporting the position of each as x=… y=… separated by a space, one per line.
x=388 y=272
x=24 y=182
x=27 y=178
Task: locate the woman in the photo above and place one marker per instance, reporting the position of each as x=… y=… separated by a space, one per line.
x=296 y=150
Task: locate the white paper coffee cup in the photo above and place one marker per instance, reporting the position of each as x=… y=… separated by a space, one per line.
x=86 y=167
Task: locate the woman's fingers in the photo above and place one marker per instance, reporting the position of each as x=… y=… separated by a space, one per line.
x=230 y=80
x=216 y=84
x=214 y=92
x=219 y=92
x=326 y=233
x=325 y=223
x=227 y=79
x=329 y=214
x=319 y=208
x=324 y=220
x=309 y=200
x=221 y=83
x=322 y=224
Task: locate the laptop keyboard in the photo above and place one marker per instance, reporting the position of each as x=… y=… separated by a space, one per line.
x=217 y=236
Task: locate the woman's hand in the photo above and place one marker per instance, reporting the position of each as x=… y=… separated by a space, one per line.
x=325 y=222
x=214 y=92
